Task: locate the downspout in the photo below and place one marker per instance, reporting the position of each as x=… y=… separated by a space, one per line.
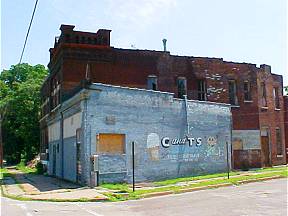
x=231 y=140
x=87 y=141
x=62 y=144
x=186 y=111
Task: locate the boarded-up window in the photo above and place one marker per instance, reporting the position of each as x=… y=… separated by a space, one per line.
x=111 y=143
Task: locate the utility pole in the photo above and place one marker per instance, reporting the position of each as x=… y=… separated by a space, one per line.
x=228 y=165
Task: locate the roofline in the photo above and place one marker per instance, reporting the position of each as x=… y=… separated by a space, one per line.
x=157 y=92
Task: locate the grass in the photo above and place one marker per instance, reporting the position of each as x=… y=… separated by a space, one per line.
x=217 y=175
x=193 y=178
x=121 y=187
x=123 y=191
x=21 y=166
x=268 y=169
x=3 y=173
x=208 y=181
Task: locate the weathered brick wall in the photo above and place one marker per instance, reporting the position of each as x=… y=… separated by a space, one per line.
x=140 y=114
x=132 y=67
x=285 y=99
x=271 y=117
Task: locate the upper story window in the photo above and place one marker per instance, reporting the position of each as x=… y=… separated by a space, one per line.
x=233 y=92
x=182 y=87
x=279 y=142
x=247 y=91
x=201 y=85
x=152 y=82
x=83 y=40
x=276 y=97
x=77 y=39
x=263 y=95
x=67 y=38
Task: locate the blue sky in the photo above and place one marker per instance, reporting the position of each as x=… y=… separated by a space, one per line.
x=253 y=31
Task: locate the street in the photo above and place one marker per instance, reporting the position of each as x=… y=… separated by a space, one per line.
x=261 y=198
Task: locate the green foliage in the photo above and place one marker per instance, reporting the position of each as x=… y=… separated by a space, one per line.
x=39 y=168
x=117 y=186
x=208 y=181
x=286 y=90
x=3 y=173
x=21 y=166
x=20 y=108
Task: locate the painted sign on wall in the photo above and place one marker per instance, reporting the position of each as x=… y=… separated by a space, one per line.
x=166 y=141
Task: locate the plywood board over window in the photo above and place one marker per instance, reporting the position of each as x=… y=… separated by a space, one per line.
x=111 y=143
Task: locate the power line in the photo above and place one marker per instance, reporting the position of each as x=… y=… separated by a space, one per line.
x=28 y=31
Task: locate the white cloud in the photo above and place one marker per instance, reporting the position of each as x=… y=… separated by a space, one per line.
x=138 y=12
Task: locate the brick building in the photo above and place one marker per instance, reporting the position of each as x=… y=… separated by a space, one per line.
x=255 y=94
x=91 y=136
x=286 y=124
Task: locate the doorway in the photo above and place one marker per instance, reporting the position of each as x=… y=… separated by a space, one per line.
x=54 y=160
x=78 y=156
x=265 y=147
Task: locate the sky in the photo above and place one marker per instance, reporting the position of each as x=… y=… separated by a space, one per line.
x=252 y=31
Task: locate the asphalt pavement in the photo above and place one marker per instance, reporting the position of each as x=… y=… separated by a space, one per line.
x=255 y=199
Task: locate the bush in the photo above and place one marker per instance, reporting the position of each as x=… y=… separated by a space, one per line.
x=39 y=168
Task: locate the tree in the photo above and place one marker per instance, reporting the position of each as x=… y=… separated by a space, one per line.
x=20 y=110
x=286 y=90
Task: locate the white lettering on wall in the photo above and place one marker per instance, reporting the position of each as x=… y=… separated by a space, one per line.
x=165 y=142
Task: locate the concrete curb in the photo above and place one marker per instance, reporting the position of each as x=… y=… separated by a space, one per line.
x=184 y=190
x=148 y=195
x=5 y=193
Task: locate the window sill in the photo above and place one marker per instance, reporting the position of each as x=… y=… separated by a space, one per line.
x=234 y=106
x=277 y=109
x=264 y=108
x=248 y=101
x=279 y=156
x=110 y=154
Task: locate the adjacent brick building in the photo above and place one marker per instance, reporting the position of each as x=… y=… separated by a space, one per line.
x=254 y=93
x=286 y=124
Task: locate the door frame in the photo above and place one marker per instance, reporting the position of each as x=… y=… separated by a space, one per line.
x=54 y=159
x=267 y=129
x=78 y=155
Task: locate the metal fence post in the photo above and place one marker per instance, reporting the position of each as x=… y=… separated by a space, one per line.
x=133 y=165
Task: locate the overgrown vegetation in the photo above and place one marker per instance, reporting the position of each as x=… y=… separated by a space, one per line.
x=3 y=173
x=286 y=90
x=20 y=111
x=39 y=168
x=23 y=168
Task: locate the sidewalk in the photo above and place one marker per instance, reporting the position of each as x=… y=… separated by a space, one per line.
x=19 y=185
x=39 y=187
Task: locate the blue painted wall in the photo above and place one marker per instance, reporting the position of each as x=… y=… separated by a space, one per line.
x=140 y=113
x=145 y=117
